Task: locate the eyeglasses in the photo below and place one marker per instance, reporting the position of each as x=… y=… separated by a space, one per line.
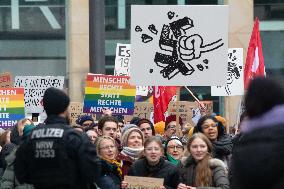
x=171 y=126
x=107 y=147
x=207 y=126
x=176 y=147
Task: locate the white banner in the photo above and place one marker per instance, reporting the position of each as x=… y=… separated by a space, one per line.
x=235 y=75
x=179 y=45
x=122 y=60
x=123 y=63
x=34 y=89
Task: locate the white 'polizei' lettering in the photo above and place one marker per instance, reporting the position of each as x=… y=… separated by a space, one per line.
x=47 y=132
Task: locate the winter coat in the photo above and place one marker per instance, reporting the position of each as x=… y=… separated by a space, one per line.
x=222 y=148
x=163 y=169
x=110 y=178
x=257 y=159
x=77 y=154
x=187 y=169
x=8 y=180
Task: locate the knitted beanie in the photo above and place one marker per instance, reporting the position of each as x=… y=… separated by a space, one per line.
x=127 y=131
x=55 y=101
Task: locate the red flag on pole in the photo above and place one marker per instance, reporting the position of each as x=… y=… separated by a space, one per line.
x=162 y=97
x=254 y=61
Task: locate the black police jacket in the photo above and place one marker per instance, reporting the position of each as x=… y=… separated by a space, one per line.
x=57 y=156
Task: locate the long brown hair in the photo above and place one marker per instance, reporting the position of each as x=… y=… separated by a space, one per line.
x=203 y=172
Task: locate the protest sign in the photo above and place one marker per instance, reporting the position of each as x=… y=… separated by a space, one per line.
x=179 y=45
x=122 y=60
x=76 y=110
x=143 y=182
x=122 y=66
x=185 y=110
x=35 y=87
x=235 y=75
x=143 y=109
x=109 y=92
x=12 y=106
x=5 y=80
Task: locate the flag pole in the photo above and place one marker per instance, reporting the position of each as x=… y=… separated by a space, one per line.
x=198 y=101
x=179 y=133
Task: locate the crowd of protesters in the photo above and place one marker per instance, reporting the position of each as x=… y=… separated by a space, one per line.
x=100 y=153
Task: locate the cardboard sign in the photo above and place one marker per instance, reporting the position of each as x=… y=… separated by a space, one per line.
x=235 y=75
x=143 y=182
x=185 y=110
x=6 y=80
x=12 y=106
x=35 y=87
x=109 y=92
x=175 y=45
x=76 y=110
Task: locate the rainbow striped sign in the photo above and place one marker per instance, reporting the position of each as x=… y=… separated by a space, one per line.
x=109 y=92
x=12 y=106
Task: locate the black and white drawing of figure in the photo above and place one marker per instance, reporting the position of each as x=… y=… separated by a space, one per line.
x=179 y=45
x=235 y=78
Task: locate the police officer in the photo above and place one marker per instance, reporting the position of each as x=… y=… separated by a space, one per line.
x=55 y=155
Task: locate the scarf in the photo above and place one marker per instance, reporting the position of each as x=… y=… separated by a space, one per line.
x=132 y=152
x=172 y=159
x=115 y=163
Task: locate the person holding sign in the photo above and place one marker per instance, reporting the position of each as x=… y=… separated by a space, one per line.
x=154 y=165
x=111 y=169
x=200 y=170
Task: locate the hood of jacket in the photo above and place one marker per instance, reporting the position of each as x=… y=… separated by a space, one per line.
x=268 y=119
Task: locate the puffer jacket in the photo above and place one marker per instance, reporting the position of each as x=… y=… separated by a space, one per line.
x=8 y=180
x=187 y=169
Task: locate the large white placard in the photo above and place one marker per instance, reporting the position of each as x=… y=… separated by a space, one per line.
x=175 y=45
x=34 y=89
x=235 y=75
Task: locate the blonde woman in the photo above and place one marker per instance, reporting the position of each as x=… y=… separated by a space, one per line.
x=200 y=170
x=111 y=169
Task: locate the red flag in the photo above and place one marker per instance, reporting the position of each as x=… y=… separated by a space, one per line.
x=254 y=61
x=162 y=97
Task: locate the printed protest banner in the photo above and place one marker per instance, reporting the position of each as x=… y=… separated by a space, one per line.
x=6 y=80
x=235 y=75
x=76 y=110
x=122 y=66
x=12 y=106
x=179 y=45
x=109 y=92
x=34 y=89
x=143 y=182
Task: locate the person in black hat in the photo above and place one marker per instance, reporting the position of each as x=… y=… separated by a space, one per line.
x=54 y=155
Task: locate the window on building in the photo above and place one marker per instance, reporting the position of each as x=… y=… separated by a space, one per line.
x=32 y=35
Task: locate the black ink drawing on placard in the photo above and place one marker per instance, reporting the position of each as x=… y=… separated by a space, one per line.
x=183 y=48
x=153 y=29
x=233 y=73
